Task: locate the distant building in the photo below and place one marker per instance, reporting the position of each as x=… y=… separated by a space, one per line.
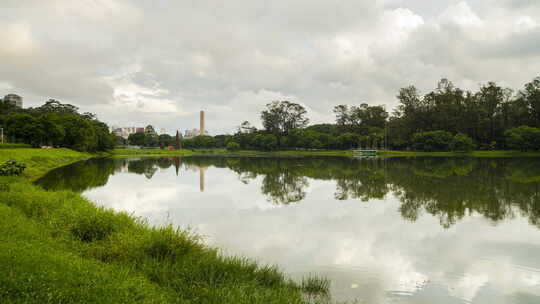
x=191 y=133
x=14 y=99
x=150 y=131
x=123 y=132
x=201 y=121
x=162 y=131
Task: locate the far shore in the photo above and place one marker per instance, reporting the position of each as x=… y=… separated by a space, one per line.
x=343 y=153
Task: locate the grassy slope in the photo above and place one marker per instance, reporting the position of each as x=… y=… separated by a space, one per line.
x=40 y=161
x=349 y=153
x=57 y=247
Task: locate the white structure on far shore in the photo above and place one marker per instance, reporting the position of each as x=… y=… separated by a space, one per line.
x=13 y=99
x=123 y=132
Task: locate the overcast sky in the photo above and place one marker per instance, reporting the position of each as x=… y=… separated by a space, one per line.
x=161 y=62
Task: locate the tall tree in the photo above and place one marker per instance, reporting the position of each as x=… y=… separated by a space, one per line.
x=178 y=145
x=280 y=117
x=531 y=97
x=490 y=98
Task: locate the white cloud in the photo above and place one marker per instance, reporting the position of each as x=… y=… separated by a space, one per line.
x=461 y=14
x=207 y=55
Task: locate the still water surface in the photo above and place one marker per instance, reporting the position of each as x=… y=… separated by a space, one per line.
x=398 y=230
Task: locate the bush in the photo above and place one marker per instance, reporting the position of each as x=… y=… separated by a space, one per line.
x=233 y=146
x=432 y=141
x=462 y=142
x=265 y=142
x=12 y=167
x=523 y=138
x=90 y=225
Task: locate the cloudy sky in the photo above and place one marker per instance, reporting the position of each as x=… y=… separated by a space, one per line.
x=134 y=62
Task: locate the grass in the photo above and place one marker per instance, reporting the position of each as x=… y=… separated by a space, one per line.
x=155 y=151
x=57 y=247
x=498 y=153
x=344 y=153
x=39 y=161
x=142 y=152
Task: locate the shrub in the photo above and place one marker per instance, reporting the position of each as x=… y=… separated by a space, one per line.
x=265 y=142
x=12 y=167
x=233 y=146
x=523 y=138
x=90 y=225
x=462 y=142
x=432 y=141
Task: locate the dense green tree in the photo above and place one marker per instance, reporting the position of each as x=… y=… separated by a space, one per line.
x=137 y=139
x=54 y=132
x=233 y=146
x=200 y=142
x=53 y=106
x=523 y=138
x=359 y=119
x=24 y=128
x=490 y=98
x=56 y=124
x=81 y=135
x=462 y=142
x=266 y=142
x=166 y=140
x=432 y=141
x=280 y=117
x=530 y=96
x=330 y=129
x=348 y=141
x=222 y=140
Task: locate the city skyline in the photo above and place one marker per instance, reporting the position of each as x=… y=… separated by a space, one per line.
x=124 y=131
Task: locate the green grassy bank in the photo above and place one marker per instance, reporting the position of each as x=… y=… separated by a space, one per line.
x=57 y=247
x=346 y=153
x=143 y=152
x=40 y=161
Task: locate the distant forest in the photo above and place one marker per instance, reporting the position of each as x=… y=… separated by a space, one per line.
x=55 y=124
x=445 y=119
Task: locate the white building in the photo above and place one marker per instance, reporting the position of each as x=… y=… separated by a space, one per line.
x=124 y=132
x=13 y=99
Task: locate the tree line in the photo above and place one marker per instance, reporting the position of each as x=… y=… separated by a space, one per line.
x=55 y=124
x=447 y=118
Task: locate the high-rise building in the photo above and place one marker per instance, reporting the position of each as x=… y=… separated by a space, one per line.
x=14 y=99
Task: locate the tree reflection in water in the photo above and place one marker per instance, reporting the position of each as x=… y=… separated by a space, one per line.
x=448 y=188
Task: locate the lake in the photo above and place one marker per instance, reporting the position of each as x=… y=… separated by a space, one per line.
x=384 y=230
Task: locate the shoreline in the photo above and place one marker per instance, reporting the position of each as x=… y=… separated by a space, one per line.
x=299 y=153
x=61 y=247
